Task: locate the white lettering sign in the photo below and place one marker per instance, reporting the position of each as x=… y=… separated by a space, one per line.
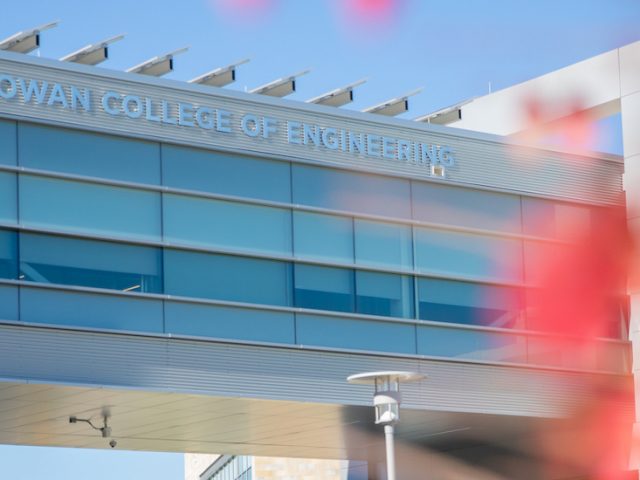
x=187 y=115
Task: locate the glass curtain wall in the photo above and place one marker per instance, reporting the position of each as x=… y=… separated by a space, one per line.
x=253 y=239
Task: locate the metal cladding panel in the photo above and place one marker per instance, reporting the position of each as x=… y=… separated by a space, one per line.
x=481 y=160
x=50 y=355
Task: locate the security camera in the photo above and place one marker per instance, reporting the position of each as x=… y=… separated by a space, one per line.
x=105 y=430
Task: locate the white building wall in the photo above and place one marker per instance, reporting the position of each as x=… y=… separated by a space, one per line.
x=630 y=108
x=604 y=84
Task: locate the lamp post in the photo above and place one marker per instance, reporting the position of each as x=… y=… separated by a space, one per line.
x=386 y=401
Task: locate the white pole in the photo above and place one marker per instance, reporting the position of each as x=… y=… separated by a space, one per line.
x=391 y=457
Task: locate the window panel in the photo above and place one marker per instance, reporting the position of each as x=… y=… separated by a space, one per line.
x=466 y=254
x=225 y=322
x=615 y=321
x=384 y=294
x=383 y=244
x=351 y=191
x=226 y=277
x=90 y=310
x=543 y=350
x=546 y=218
x=91 y=154
x=8 y=143
x=98 y=209
x=540 y=259
x=470 y=344
x=231 y=225
x=613 y=357
x=465 y=207
x=225 y=174
x=355 y=334
x=8 y=254
x=324 y=288
x=611 y=312
x=357 y=470
x=9 y=303
x=318 y=236
x=50 y=259
x=470 y=303
x=8 y=198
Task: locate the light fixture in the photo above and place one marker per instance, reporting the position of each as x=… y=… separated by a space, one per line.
x=393 y=107
x=105 y=430
x=157 y=66
x=26 y=41
x=337 y=97
x=92 y=54
x=280 y=88
x=220 y=76
x=438 y=170
x=386 y=400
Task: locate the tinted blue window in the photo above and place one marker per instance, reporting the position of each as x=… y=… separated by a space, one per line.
x=538 y=217
x=323 y=237
x=8 y=254
x=384 y=244
x=91 y=154
x=8 y=142
x=466 y=207
x=92 y=208
x=225 y=174
x=476 y=345
x=324 y=288
x=226 y=277
x=350 y=191
x=239 y=226
x=8 y=197
x=8 y=302
x=615 y=321
x=384 y=294
x=546 y=218
x=470 y=303
x=355 y=334
x=225 y=322
x=468 y=255
x=544 y=350
x=541 y=258
x=49 y=259
x=613 y=357
x=90 y=310
x=613 y=309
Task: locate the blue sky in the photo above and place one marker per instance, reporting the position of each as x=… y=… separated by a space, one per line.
x=453 y=49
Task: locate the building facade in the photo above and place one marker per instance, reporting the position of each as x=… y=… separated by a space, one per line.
x=229 y=467
x=221 y=257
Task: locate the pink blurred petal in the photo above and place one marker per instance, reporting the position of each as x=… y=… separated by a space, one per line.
x=244 y=10
x=368 y=20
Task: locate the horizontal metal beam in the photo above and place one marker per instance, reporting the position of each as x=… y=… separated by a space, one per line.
x=393 y=107
x=27 y=40
x=220 y=76
x=444 y=116
x=281 y=87
x=157 y=66
x=338 y=97
x=92 y=54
